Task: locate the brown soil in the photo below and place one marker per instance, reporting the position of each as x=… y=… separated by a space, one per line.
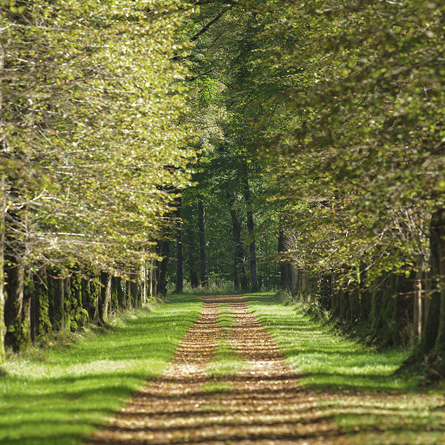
x=264 y=404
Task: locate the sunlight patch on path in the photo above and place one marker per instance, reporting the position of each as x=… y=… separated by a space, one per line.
x=261 y=404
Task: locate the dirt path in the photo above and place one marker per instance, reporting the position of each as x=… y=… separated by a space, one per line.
x=264 y=404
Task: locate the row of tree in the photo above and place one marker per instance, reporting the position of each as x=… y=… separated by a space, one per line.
x=94 y=147
x=318 y=166
x=322 y=126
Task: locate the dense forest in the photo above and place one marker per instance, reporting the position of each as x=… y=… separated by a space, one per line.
x=148 y=145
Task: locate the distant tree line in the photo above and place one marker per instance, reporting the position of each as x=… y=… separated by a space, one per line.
x=322 y=124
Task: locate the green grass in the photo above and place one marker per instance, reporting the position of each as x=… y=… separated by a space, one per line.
x=226 y=361
x=326 y=359
x=225 y=316
x=65 y=393
x=356 y=385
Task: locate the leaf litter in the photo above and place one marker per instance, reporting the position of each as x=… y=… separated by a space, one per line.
x=260 y=404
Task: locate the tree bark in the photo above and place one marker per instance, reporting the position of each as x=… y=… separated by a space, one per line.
x=437 y=246
x=354 y=302
x=120 y=288
x=105 y=295
x=240 y=276
x=2 y=252
x=164 y=252
x=418 y=304
x=281 y=251
x=18 y=335
x=203 y=243
x=179 y=251
x=60 y=303
x=251 y=231
x=133 y=290
x=2 y=218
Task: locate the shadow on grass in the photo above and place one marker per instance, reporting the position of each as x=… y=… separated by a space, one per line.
x=64 y=398
x=326 y=360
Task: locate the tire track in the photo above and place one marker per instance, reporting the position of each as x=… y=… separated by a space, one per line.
x=263 y=406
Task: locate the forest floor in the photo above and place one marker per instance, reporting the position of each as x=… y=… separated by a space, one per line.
x=230 y=383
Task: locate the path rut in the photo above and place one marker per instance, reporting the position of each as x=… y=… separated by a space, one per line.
x=264 y=404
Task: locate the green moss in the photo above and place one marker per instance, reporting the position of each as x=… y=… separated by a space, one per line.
x=42 y=304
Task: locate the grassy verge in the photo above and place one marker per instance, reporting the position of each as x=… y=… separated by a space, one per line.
x=327 y=360
x=353 y=384
x=60 y=395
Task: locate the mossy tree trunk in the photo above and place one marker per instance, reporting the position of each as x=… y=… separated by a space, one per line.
x=18 y=332
x=115 y=288
x=419 y=303
x=133 y=291
x=122 y=293
x=105 y=296
x=344 y=308
x=354 y=302
x=94 y=295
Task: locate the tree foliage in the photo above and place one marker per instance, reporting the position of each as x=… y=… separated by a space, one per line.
x=93 y=140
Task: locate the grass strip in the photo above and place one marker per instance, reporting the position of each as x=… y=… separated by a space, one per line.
x=226 y=361
x=61 y=395
x=353 y=383
x=225 y=317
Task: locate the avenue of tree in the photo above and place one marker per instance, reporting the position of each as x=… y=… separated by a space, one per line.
x=259 y=143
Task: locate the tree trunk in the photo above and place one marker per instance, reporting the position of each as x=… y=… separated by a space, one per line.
x=203 y=243
x=179 y=251
x=164 y=252
x=144 y=282
x=18 y=334
x=2 y=215
x=60 y=303
x=437 y=246
x=152 y=278
x=95 y=292
x=67 y=303
x=128 y=290
x=251 y=231
x=34 y=313
x=133 y=291
x=105 y=296
x=120 y=290
x=418 y=304
x=354 y=302
x=41 y=303
x=240 y=277
x=2 y=250
x=344 y=305
x=281 y=251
